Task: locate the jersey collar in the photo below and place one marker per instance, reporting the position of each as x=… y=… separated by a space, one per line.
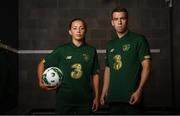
x=74 y=46
x=125 y=33
x=124 y=36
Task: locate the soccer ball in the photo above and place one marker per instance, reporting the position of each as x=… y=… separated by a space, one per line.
x=52 y=76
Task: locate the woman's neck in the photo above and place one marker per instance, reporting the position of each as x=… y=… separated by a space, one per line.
x=77 y=43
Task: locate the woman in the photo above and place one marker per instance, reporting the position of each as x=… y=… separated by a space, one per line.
x=79 y=63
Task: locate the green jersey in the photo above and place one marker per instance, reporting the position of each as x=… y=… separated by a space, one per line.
x=78 y=64
x=124 y=57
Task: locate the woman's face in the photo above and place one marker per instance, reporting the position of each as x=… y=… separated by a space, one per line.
x=77 y=30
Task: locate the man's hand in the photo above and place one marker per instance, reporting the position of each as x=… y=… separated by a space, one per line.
x=135 y=98
x=102 y=99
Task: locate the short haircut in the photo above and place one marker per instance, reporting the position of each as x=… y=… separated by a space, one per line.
x=119 y=9
x=77 y=19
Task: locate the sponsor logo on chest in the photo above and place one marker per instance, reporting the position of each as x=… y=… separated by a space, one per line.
x=68 y=57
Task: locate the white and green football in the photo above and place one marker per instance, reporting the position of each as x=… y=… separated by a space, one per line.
x=52 y=76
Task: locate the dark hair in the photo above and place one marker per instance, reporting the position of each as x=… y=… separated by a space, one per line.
x=77 y=19
x=119 y=9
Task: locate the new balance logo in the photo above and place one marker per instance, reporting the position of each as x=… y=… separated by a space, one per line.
x=68 y=57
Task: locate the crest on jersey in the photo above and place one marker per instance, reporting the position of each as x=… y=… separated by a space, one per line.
x=126 y=47
x=86 y=57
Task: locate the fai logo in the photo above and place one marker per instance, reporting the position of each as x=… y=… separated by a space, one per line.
x=86 y=57
x=126 y=47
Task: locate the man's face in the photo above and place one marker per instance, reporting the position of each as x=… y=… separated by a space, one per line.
x=119 y=21
x=77 y=30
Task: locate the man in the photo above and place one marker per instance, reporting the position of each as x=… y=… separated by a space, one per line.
x=78 y=62
x=128 y=64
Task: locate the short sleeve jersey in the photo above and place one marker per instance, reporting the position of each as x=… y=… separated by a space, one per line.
x=78 y=64
x=124 y=57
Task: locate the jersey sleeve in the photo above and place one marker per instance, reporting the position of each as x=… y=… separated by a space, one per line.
x=96 y=67
x=144 y=49
x=51 y=59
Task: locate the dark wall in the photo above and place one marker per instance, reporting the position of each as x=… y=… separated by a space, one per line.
x=9 y=23
x=8 y=59
x=176 y=51
x=43 y=26
x=8 y=81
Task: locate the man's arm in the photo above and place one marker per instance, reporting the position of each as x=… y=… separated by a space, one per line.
x=145 y=74
x=105 y=85
x=96 y=92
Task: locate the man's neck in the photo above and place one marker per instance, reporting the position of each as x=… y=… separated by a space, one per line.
x=120 y=35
